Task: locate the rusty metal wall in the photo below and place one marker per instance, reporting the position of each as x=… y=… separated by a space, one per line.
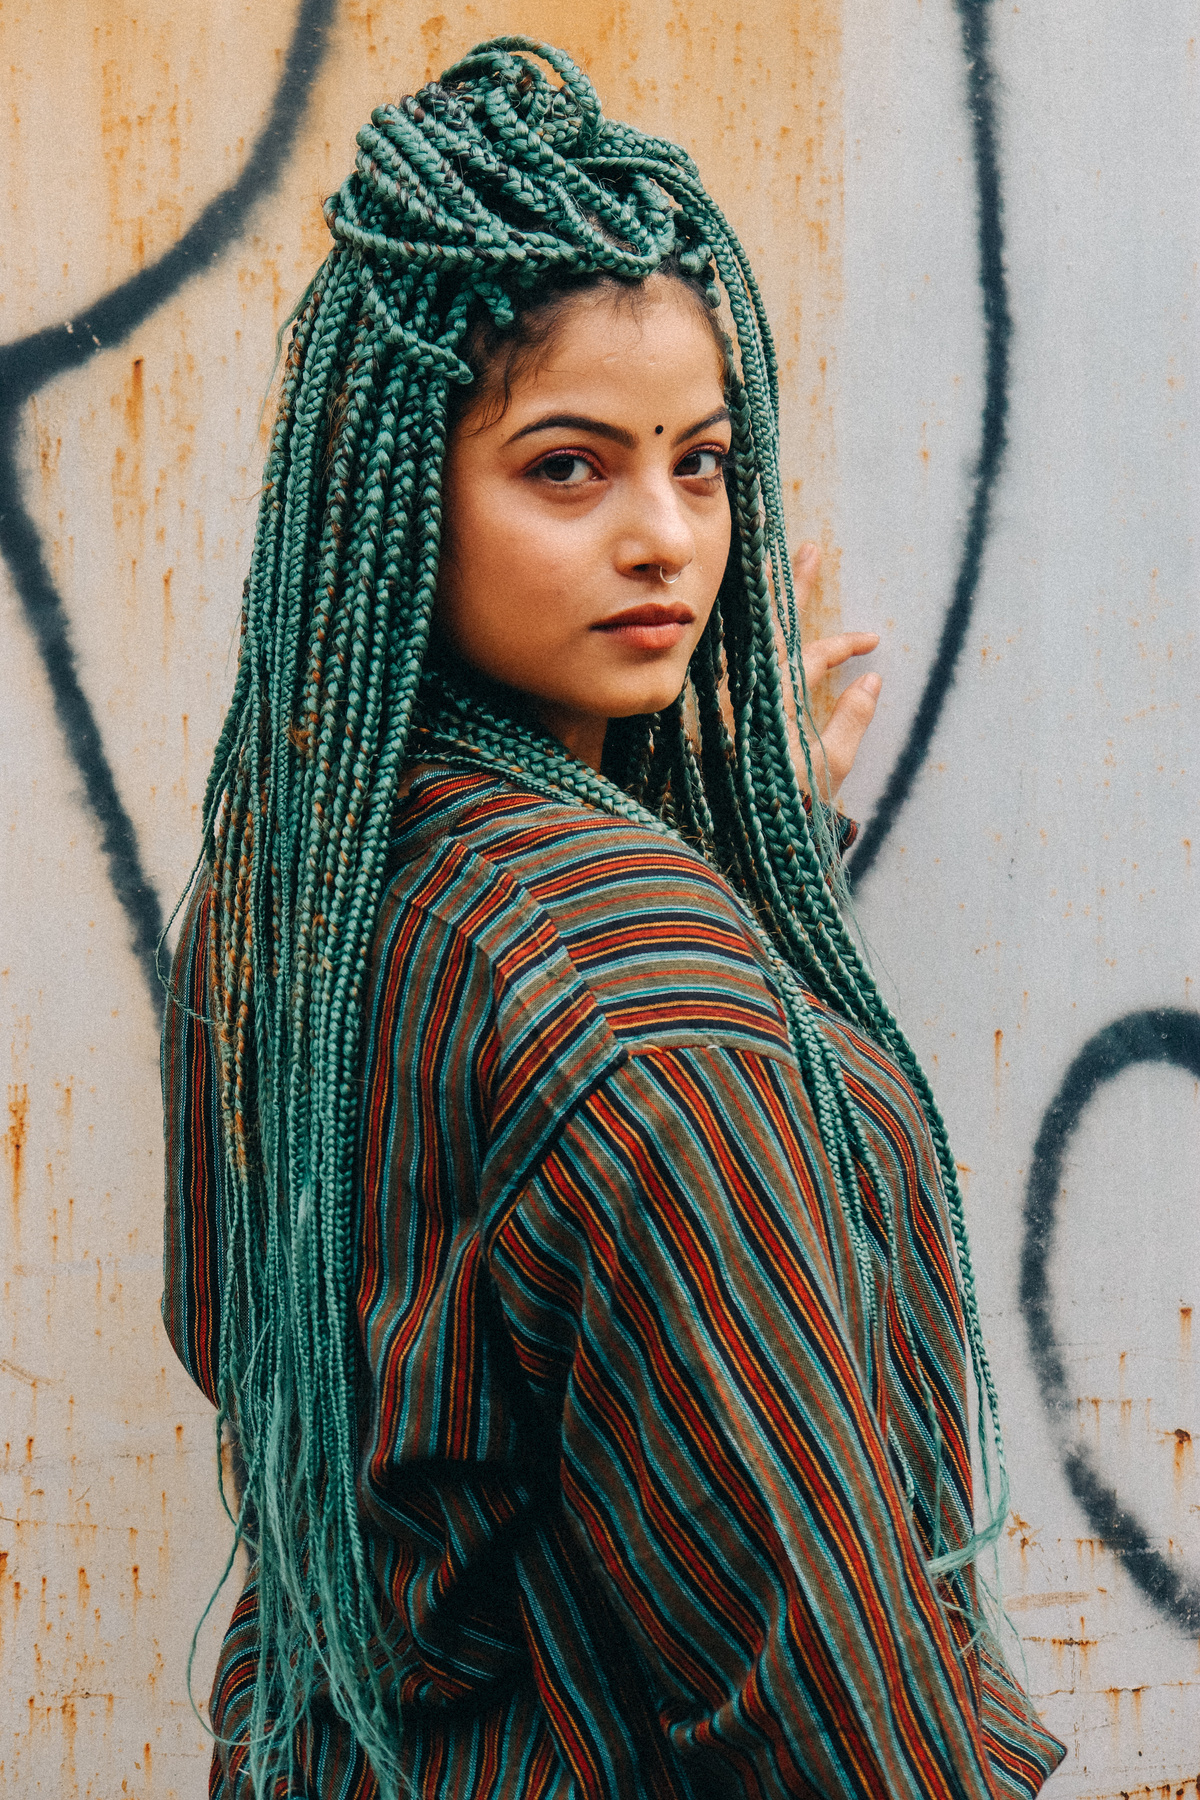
x=1028 y=887
x=1020 y=255
x=127 y=499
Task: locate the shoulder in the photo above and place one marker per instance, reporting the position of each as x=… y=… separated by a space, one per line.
x=649 y=928
x=475 y=1010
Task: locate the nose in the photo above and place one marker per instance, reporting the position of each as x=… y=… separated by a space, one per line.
x=654 y=537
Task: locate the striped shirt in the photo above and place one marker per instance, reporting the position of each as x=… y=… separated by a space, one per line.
x=636 y=1527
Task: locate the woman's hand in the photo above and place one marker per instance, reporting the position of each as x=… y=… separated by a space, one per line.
x=855 y=708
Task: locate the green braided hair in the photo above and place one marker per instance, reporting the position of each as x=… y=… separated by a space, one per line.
x=473 y=202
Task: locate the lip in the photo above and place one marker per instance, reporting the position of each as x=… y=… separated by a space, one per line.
x=652 y=614
x=651 y=629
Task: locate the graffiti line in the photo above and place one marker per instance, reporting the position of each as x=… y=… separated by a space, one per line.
x=1158 y=1035
x=26 y=366
x=997 y=321
x=47 y=619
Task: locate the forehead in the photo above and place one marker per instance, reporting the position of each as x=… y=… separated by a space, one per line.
x=612 y=353
x=656 y=331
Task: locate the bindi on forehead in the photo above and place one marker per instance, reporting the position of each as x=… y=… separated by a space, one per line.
x=658 y=431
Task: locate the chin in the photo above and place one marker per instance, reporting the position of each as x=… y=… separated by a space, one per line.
x=651 y=699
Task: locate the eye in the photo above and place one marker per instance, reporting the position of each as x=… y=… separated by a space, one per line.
x=565 y=469
x=704 y=464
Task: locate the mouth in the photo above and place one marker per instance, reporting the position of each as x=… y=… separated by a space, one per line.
x=655 y=625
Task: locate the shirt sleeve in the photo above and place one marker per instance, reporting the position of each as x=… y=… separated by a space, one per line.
x=191 y=1301
x=668 y=1287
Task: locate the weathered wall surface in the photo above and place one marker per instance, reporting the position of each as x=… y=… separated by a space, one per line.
x=1029 y=855
x=1033 y=902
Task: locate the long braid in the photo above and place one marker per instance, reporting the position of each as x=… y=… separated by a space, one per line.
x=466 y=201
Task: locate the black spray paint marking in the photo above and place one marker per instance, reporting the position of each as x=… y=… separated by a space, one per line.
x=1162 y=1035
x=997 y=321
x=27 y=365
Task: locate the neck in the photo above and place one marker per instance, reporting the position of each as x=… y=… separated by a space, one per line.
x=580 y=733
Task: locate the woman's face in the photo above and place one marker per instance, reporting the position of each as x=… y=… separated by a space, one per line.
x=563 y=515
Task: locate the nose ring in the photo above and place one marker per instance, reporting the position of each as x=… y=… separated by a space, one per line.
x=668 y=580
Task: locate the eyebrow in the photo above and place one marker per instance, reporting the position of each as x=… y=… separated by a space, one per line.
x=597 y=428
x=720 y=417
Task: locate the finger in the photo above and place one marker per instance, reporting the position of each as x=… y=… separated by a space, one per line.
x=847 y=727
x=806 y=565
x=827 y=653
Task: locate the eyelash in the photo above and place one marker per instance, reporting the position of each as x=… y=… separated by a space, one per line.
x=722 y=457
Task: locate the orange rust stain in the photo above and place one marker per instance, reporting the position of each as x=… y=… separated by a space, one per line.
x=129 y=499
x=1135 y=1696
x=1112 y=1698
x=1060 y=1645
x=433 y=33
x=70 y=1721
x=1095 y=1402
x=140 y=138
x=1027 y=1602
x=49 y=448
x=1085 y=1646
x=1182 y=1453
x=85 y=1591
x=1025 y=1534
x=1185 y=1331
x=997 y=1049
x=15 y=1140
x=135 y=399
x=1163 y=1790
x=168 y=639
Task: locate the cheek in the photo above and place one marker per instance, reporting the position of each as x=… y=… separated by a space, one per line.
x=507 y=559
x=500 y=587
x=484 y=531
x=476 y=551
x=714 y=537
x=463 y=531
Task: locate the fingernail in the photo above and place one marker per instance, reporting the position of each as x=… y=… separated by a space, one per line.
x=872 y=683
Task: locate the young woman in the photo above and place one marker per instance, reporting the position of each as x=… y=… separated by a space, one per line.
x=555 y=1215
